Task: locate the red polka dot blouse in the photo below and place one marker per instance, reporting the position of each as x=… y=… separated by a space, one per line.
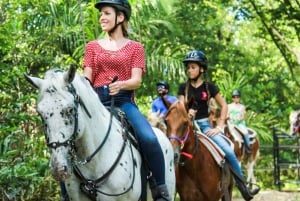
x=107 y=64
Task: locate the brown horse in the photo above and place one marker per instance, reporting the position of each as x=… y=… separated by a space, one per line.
x=236 y=137
x=198 y=175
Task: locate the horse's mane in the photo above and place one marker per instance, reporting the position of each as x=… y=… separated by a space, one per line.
x=156 y=120
x=87 y=93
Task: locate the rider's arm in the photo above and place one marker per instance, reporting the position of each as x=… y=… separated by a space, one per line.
x=224 y=109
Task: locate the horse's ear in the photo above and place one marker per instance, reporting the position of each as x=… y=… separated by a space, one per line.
x=69 y=76
x=34 y=81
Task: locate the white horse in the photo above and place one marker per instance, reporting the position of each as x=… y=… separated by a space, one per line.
x=90 y=149
x=294 y=118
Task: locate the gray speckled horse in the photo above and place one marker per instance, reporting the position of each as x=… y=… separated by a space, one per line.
x=90 y=151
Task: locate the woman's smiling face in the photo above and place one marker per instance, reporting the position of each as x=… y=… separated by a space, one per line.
x=108 y=18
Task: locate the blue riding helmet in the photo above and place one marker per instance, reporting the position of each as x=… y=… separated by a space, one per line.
x=196 y=56
x=119 y=5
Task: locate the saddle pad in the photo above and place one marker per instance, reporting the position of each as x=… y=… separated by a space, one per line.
x=237 y=133
x=234 y=132
x=214 y=149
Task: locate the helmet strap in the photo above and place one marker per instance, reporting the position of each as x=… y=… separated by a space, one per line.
x=116 y=24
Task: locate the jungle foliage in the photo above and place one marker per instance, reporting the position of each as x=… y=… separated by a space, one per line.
x=251 y=45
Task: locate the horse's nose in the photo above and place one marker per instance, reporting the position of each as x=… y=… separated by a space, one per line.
x=60 y=173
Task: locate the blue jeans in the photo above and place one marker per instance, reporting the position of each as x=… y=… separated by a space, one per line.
x=221 y=142
x=246 y=134
x=147 y=139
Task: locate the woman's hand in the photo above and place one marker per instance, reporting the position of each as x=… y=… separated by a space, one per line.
x=115 y=87
x=215 y=131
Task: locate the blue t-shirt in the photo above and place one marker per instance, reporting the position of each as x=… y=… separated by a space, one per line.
x=159 y=106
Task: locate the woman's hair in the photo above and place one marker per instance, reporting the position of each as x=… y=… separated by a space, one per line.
x=124 y=27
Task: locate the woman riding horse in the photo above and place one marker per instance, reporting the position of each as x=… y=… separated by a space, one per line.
x=117 y=55
x=196 y=65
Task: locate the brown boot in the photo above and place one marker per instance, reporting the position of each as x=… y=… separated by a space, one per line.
x=160 y=193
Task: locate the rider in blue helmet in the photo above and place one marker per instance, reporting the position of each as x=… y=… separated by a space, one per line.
x=158 y=104
x=202 y=91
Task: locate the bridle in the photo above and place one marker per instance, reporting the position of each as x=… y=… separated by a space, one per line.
x=71 y=141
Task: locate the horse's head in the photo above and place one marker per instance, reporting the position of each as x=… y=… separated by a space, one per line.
x=58 y=108
x=178 y=127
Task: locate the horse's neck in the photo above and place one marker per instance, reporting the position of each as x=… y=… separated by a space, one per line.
x=95 y=130
x=98 y=129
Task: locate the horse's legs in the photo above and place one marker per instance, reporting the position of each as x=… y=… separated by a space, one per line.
x=187 y=189
x=250 y=171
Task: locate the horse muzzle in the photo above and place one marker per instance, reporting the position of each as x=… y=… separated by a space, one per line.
x=61 y=168
x=61 y=173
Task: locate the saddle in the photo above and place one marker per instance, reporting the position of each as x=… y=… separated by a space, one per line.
x=132 y=137
x=128 y=128
x=238 y=134
x=213 y=148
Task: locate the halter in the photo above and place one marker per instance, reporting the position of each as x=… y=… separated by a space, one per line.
x=182 y=142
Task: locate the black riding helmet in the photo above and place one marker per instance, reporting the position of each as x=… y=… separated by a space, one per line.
x=196 y=56
x=236 y=93
x=163 y=83
x=119 y=5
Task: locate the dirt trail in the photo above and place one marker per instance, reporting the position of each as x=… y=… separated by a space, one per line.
x=274 y=196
